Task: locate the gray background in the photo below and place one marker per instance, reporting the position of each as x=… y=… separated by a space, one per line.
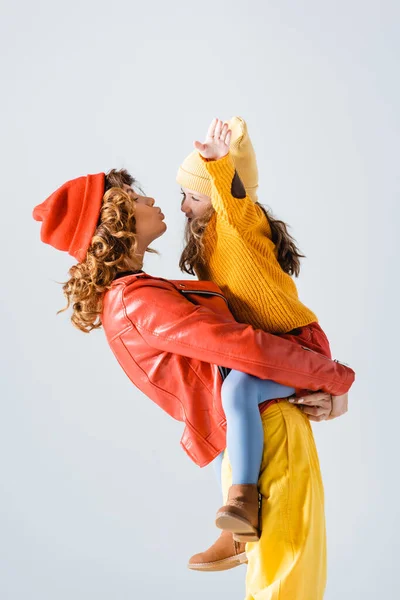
x=97 y=499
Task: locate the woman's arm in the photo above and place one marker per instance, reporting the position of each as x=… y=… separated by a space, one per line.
x=169 y=322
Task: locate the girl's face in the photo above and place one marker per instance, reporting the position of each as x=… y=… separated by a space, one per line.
x=149 y=218
x=194 y=204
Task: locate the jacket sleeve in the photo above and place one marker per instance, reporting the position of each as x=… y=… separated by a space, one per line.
x=171 y=323
x=229 y=198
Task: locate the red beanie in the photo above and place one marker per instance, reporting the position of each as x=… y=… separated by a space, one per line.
x=71 y=213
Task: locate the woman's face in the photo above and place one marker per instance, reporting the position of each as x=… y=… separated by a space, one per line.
x=149 y=218
x=194 y=204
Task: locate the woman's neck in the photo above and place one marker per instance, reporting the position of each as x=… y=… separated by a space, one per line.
x=135 y=261
x=133 y=264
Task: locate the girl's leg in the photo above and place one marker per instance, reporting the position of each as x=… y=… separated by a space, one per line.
x=241 y=394
x=217 y=466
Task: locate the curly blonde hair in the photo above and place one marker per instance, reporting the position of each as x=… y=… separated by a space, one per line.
x=287 y=252
x=112 y=248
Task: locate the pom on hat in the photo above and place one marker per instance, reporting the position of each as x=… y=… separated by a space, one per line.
x=193 y=175
x=70 y=215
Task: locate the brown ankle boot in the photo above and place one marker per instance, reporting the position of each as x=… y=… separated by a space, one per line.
x=240 y=515
x=223 y=555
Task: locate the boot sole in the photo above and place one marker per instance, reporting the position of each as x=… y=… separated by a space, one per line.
x=220 y=565
x=242 y=530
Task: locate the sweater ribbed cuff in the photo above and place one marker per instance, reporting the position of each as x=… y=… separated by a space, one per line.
x=224 y=165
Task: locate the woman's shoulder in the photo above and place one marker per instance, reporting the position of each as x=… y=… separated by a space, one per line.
x=130 y=297
x=137 y=283
x=143 y=279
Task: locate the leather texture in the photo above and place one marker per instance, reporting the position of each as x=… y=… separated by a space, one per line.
x=171 y=337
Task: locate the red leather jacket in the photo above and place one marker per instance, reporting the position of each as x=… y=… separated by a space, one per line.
x=172 y=338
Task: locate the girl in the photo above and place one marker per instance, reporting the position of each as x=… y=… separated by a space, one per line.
x=233 y=241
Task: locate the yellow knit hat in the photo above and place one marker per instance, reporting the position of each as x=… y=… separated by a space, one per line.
x=193 y=175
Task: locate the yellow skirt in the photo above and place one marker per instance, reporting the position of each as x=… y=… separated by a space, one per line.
x=289 y=561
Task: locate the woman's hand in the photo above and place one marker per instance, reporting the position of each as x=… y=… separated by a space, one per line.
x=340 y=406
x=217 y=142
x=321 y=407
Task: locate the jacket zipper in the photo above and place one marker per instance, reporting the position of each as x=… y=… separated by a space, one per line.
x=323 y=356
x=204 y=293
x=181 y=289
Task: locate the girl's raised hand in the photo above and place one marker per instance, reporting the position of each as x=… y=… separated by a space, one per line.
x=217 y=142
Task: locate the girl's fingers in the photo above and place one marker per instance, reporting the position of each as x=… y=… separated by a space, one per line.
x=228 y=137
x=224 y=131
x=218 y=127
x=211 y=129
x=199 y=146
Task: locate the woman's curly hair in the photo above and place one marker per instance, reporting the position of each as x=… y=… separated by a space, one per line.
x=287 y=252
x=113 y=245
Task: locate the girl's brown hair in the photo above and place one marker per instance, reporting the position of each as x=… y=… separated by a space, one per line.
x=287 y=253
x=113 y=245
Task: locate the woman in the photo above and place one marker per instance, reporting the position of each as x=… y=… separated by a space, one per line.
x=174 y=339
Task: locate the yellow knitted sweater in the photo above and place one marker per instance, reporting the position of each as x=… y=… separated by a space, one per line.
x=240 y=257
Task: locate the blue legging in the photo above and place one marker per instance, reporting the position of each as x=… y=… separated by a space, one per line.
x=241 y=394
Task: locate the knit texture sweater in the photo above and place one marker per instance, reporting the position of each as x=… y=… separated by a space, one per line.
x=240 y=257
